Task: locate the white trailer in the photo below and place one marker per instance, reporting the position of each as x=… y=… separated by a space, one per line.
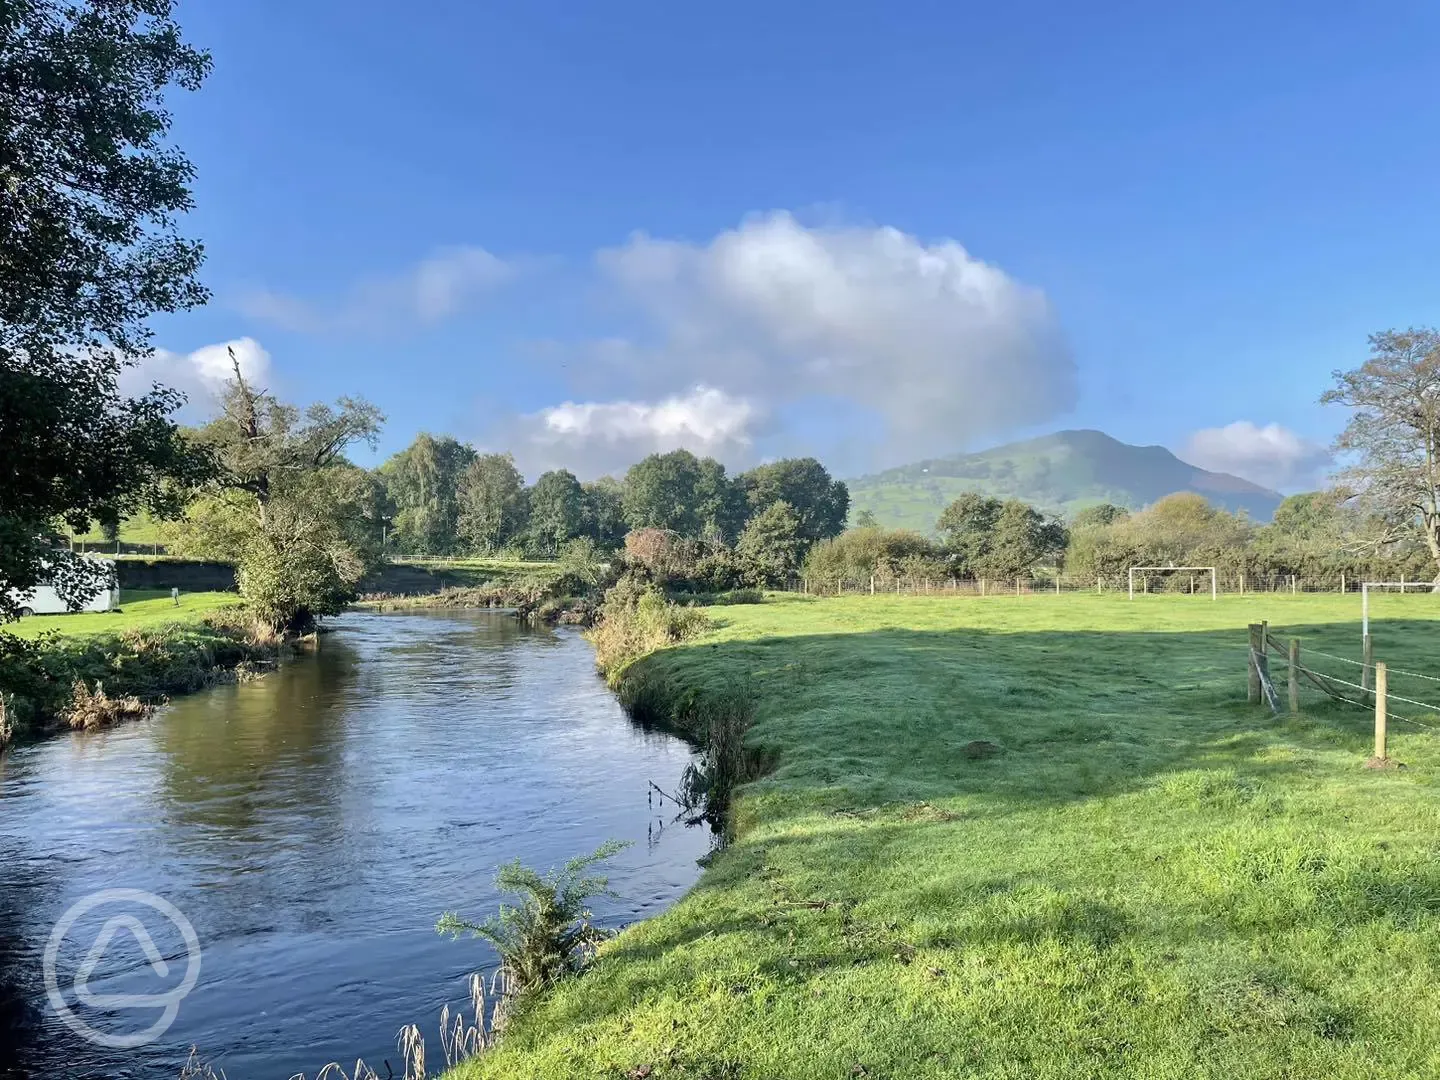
x=44 y=600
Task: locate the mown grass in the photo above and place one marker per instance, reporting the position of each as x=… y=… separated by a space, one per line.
x=138 y=608
x=1149 y=879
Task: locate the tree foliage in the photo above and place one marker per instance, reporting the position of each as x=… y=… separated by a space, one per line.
x=304 y=521
x=491 y=501
x=820 y=503
x=90 y=191
x=557 y=510
x=772 y=546
x=660 y=493
x=1393 y=434
x=423 y=483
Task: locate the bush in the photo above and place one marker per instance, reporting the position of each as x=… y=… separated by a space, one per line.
x=637 y=619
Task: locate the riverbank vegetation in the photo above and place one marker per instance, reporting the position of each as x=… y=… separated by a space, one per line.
x=992 y=818
x=108 y=668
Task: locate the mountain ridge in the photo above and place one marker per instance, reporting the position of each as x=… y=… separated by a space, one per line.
x=1062 y=472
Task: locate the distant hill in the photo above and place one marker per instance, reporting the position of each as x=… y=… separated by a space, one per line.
x=1061 y=473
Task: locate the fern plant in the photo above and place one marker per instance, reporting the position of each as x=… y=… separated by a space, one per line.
x=548 y=934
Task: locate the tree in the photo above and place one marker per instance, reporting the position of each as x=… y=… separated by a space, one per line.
x=312 y=527
x=491 y=502
x=965 y=529
x=866 y=519
x=1022 y=539
x=89 y=194
x=771 y=548
x=820 y=503
x=1393 y=435
x=1100 y=514
x=660 y=493
x=557 y=510
x=719 y=502
x=605 y=512
x=423 y=482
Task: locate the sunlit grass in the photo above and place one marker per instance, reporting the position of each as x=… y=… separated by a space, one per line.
x=1151 y=878
x=138 y=608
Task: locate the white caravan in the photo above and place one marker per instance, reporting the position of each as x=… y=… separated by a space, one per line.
x=44 y=600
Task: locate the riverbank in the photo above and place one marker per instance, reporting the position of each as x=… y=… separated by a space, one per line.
x=1039 y=837
x=93 y=669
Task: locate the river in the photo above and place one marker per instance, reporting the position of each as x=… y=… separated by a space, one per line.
x=311 y=826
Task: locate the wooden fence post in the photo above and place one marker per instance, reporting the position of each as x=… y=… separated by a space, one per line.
x=1342 y=581
x=1382 y=685
x=1017 y=586
x=1057 y=584
x=982 y=586
x=1294 y=676
x=1253 y=690
x=872 y=584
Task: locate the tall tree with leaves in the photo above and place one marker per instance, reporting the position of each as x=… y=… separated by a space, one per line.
x=304 y=519
x=89 y=195
x=771 y=548
x=820 y=502
x=719 y=502
x=966 y=527
x=557 y=510
x=492 y=502
x=660 y=493
x=605 y=512
x=1393 y=435
x=423 y=481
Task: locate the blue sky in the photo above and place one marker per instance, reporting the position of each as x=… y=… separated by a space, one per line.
x=1173 y=218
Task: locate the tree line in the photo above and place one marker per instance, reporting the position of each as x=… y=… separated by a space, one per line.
x=1318 y=537
x=442 y=497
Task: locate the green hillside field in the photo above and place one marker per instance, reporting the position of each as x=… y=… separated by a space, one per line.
x=1140 y=876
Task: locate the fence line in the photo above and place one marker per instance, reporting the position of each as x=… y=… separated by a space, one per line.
x=1377 y=695
x=897 y=583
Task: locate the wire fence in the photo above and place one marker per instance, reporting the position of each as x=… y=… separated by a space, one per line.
x=1152 y=583
x=1372 y=692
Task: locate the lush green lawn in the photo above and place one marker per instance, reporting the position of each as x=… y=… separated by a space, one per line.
x=137 y=608
x=1150 y=879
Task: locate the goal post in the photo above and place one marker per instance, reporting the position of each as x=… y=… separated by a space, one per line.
x=1214 y=581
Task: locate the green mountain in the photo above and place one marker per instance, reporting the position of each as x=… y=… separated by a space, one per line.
x=1061 y=473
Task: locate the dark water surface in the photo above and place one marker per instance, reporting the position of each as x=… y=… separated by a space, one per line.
x=311 y=826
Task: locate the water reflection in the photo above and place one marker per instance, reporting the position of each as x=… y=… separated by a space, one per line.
x=314 y=823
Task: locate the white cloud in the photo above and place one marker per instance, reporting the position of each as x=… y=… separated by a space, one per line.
x=1271 y=455
x=438 y=287
x=199 y=375
x=945 y=348
x=596 y=437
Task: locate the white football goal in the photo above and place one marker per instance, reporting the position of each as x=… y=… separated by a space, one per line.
x=1145 y=571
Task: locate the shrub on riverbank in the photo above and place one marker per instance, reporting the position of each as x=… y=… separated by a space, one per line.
x=54 y=681
x=637 y=619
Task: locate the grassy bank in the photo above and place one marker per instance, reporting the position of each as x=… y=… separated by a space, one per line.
x=89 y=669
x=137 y=610
x=1036 y=837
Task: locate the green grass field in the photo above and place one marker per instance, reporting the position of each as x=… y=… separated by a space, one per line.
x=1151 y=878
x=137 y=608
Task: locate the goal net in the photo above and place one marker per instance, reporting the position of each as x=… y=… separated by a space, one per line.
x=1194 y=580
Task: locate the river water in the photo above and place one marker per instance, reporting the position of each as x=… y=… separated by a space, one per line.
x=311 y=826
